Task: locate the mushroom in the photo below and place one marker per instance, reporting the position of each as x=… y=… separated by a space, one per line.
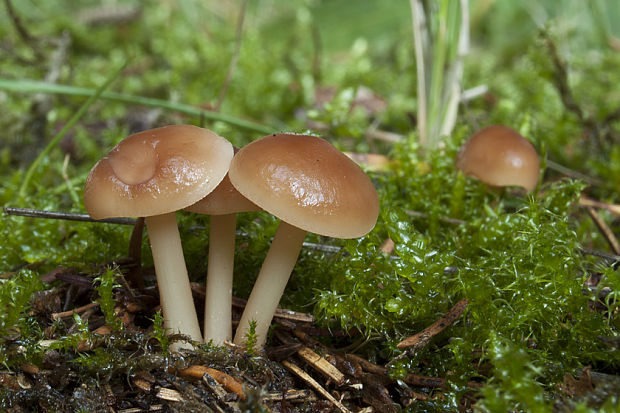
x=153 y=174
x=499 y=156
x=222 y=205
x=310 y=186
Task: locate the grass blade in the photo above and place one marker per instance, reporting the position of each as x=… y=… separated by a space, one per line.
x=34 y=86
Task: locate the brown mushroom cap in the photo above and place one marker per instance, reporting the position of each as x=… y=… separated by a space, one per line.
x=157 y=171
x=499 y=156
x=307 y=182
x=224 y=199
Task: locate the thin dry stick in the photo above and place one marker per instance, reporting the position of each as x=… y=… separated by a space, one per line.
x=613 y=208
x=315 y=385
x=21 y=29
x=235 y=57
x=78 y=310
x=605 y=230
x=561 y=82
x=422 y=338
x=572 y=173
x=69 y=216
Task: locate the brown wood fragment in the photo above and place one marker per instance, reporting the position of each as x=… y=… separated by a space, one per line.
x=422 y=338
x=78 y=310
x=321 y=365
x=142 y=384
x=170 y=395
x=230 y=383
x=605 y=230
x=315 y=385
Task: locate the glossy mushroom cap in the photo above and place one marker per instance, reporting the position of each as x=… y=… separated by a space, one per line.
x=307 y=182
x=157 y=171
x=499 y=156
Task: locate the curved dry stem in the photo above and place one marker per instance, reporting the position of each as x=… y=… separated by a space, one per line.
x=218 y=300
x=172 y=280
x=270 y=284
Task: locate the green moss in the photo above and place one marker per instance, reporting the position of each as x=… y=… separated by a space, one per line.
x=516 y=260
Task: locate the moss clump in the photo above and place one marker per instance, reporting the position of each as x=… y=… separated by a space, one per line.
x=517 y=261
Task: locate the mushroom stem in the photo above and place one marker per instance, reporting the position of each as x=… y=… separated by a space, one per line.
x=172 y=280
x=270 y=284
x=218 y=301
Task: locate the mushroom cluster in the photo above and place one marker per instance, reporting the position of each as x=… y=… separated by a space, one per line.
x=303 y=180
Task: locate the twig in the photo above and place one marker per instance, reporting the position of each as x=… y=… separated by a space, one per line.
x=572 y=173
x=78 y=310
x=605 y=230
x=21 y=29
x=423 y=337
x=600 y=254
x=315 y=385
x=42 y=102
x=68 y=216
x=587 y=202
x=560 y=76
x=71 y=216
x=235 y=57
x=281 y=313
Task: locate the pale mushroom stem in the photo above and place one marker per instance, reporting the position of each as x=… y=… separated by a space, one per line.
x=172 y=280
x=270 y=284
x=218 y=300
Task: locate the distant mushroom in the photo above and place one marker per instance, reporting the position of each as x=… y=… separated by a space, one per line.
x=311 y=186
x=499 y=156
x=222 y=205
x=153 y=174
